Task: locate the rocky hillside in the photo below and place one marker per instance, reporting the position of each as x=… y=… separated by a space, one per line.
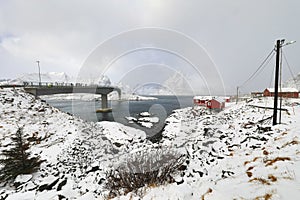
x=233 y=154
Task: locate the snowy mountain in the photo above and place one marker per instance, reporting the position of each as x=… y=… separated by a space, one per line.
x=4 y=81
x=103 y=80
x=153 y=89
x=177 y=84
x=59 y=77
x=293 y=82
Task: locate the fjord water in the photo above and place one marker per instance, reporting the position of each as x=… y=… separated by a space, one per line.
x=162 y=107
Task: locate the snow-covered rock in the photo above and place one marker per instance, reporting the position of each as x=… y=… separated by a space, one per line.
x=233 y=154
x=22 y=178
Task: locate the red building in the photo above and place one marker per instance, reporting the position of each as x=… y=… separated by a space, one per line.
x=283 y=92
x=216 y=103
x=201 y=100
x=227 y=99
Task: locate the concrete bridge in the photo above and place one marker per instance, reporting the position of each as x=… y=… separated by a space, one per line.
x=50 y=88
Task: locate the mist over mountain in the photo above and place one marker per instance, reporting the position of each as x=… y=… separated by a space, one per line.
x=293 y=82
x=153 y=89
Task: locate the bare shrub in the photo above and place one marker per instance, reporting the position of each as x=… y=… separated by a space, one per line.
x=270 y=162
x=144 y=168
x=261 y=180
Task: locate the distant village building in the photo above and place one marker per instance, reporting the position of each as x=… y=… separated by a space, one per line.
x=227 y=99
x=257 y=94
x=283 y=92
x=211 y=102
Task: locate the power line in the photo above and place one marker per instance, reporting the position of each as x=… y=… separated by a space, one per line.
x=267 y=59
x=291 y=72
x=272 y=77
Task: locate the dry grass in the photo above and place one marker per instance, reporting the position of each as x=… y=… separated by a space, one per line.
x=272 y=178
x=246 y=162
x=284 y=133
x=293 y=142
x=207 y=192
x=254 y=159
x=265 y=152
x=261 y=180
x=265 y=197
x=249 y=174
x=271 y=162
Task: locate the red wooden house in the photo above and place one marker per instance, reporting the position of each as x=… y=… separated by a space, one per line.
x=283 y=92
x=216 y=103
x=201 y=100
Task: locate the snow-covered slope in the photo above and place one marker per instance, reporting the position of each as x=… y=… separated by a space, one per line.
x=234 y=154
x=68 y=144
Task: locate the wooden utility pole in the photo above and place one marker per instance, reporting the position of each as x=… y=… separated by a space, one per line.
x=278 y=46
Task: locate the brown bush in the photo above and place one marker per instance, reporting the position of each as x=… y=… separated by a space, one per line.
x=144 y=169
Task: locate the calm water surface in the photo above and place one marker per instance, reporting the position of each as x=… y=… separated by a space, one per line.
x=162 y=107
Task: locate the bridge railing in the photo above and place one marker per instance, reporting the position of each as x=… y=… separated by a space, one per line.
x=54 y=84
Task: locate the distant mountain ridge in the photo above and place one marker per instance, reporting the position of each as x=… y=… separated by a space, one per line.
x=54 y=77
x=293 y=82
x=60 y=77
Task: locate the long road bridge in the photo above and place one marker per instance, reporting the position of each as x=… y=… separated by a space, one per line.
x=63 y=88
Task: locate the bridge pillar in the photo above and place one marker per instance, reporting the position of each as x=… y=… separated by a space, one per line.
x=104 y=101
x=31 y=90
x=104 y=104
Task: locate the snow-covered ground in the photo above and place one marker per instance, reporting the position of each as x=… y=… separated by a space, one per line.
x=234 y=154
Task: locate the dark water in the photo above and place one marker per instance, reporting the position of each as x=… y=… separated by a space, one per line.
x=162 y=107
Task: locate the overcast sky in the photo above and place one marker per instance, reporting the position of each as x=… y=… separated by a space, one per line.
x=235 y=35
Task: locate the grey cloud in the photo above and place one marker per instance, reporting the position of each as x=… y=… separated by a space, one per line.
x=237 y=35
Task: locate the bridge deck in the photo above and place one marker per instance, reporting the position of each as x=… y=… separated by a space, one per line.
x=49 y=89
